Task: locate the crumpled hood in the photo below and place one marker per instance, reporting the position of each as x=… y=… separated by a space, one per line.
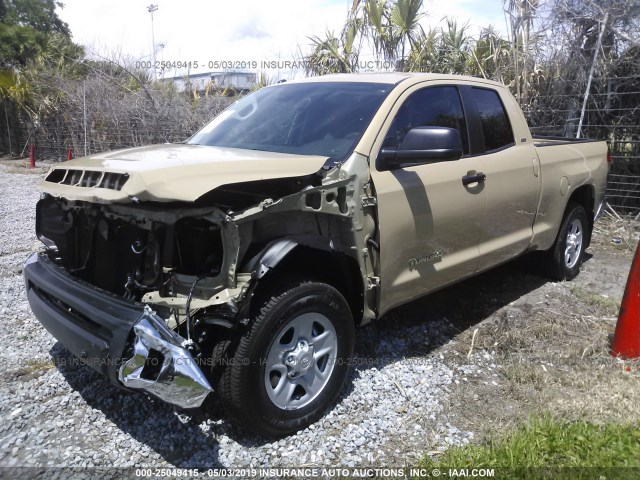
x=170 y=172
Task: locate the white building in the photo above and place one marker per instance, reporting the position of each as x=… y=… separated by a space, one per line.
x=198 y=81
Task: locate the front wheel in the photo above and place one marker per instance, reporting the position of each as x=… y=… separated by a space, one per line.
x=565 y=257
x=292 y=361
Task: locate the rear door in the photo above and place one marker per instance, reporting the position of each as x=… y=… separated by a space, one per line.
x=512 y=169
x=429 y=221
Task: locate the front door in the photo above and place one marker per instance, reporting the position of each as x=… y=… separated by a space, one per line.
x=429 y=220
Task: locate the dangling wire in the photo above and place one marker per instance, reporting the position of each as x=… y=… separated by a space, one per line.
x=188 y=307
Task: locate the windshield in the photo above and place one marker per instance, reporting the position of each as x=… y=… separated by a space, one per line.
x=324 y=119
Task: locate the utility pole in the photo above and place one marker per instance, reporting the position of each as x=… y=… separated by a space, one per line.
x=152 y=8
x=603 y=27
x=84 y=114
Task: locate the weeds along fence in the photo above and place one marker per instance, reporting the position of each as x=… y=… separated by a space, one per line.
x=95 y=117
x=611 y=113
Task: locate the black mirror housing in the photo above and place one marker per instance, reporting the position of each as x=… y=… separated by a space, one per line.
x=422 y=145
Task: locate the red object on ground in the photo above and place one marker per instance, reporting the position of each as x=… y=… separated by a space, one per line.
x=69 y=155
x=32 y=157
x=626 y=339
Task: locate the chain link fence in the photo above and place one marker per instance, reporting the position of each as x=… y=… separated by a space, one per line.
x=611 y=113
x=99 y=115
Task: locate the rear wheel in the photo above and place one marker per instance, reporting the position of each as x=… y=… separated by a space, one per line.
x=292 y=361
x=565 y=257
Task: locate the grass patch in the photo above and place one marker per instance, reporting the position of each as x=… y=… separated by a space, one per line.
x=545 y=443
x=525 y=374
x=601 y=304
x=35 y=366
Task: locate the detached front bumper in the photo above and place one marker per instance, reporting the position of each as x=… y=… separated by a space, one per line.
x=123 y=340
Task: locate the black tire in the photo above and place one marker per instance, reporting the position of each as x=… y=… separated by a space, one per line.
x=220 y=356
x=292 y=307
x=564 y=258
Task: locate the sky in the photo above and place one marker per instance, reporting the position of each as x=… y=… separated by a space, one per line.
x=216 y=33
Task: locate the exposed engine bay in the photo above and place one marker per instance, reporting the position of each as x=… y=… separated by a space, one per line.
x=128 y=250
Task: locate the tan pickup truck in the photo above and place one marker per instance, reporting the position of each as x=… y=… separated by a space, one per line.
x=241 y=261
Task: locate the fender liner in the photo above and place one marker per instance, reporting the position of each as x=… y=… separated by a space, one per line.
x=276 y=251
x=269 y=257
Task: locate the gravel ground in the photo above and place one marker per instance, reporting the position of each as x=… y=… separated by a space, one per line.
x=55 y=412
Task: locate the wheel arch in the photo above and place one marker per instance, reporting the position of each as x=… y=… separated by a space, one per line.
x=314 y=258
x=585 y=196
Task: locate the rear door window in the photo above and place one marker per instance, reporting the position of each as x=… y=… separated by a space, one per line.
x=496 y=127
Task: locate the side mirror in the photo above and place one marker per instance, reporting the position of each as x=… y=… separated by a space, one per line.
x=422 y=145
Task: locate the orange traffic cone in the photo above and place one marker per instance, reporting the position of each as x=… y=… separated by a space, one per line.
x=626 y=339
x=69 y=155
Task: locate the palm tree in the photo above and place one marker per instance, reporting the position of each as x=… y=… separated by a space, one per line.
x=424 y=56
x=521 y=14
x=333 y=54
x=491 y=56
x=391 y=27
x=405 y=17
x=454 y=48
x=442 y=50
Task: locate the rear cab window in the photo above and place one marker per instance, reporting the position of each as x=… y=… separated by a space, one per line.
x=497 y=133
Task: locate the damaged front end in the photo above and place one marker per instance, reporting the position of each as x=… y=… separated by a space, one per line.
x=181 y=261
x=185 y=272
x=160 y=259
x=162 y=367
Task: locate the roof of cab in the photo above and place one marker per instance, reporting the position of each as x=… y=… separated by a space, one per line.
x=392 y=78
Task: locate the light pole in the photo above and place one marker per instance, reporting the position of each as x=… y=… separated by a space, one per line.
x=152 y=8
